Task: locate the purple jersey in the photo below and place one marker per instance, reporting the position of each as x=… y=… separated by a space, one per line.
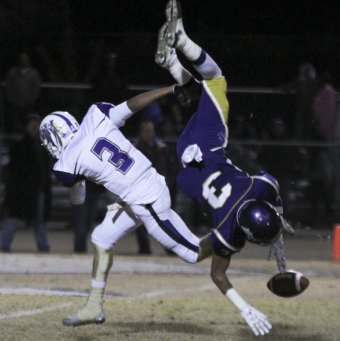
x=216 y=184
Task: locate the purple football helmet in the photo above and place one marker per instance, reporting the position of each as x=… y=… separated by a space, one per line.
x=260 y=221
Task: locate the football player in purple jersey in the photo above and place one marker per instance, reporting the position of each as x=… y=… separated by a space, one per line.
x=238 y=206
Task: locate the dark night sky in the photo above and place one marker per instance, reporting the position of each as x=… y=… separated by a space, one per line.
x=240 y=16
x=314 y=23
x=289 y=18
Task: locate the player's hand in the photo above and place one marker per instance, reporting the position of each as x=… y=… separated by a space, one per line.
x=182 y=96
x=256 y=320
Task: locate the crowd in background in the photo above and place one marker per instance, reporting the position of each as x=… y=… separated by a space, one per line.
x=300 y=169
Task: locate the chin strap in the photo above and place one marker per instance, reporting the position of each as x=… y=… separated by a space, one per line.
x=287 y=227
x=277 y=249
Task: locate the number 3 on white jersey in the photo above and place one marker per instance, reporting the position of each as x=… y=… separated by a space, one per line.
x=209 y=191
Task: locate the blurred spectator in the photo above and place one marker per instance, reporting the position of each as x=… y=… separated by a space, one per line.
x=168 y=132
x=243 y=156
x=316 y=120
x=305 y=87
x=322 y=185
x=321 y=163
x=324 y=106
x=109 y=84
x=281 y=160
x=27 y=187
x=177 y=115
x=154 y=113
x=163 y=161
x=84 y=216
x=22 y=92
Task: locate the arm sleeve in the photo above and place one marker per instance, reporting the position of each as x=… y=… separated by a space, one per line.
x=77 y=193
x=67 y=179
x=119 y=114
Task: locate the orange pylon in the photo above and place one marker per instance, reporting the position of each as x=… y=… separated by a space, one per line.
x=336 y=243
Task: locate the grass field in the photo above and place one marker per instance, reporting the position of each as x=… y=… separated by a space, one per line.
x=161 y=298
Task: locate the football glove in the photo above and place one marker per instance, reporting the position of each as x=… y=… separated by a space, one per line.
x=257 y=321
x=192 y=153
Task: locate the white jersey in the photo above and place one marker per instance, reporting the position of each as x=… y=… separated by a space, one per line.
x=100 y=153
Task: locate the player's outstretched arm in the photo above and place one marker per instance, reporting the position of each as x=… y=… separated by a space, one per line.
x=255 y=319
x=143 y=100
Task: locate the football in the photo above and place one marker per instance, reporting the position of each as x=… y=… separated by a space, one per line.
x=289 y=284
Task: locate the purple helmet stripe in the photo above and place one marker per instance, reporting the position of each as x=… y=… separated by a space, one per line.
x=72 y=127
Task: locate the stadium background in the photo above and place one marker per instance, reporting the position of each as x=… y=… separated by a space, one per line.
x=259 y=45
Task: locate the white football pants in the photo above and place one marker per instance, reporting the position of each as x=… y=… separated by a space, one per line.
x=161 y=222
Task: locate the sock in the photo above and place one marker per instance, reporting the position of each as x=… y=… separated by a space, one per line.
x=189 y=48
x=102 y=263
x=206 y=66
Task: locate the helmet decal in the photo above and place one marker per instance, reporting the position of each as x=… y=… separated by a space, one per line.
x=56 y=132
x=72 y=127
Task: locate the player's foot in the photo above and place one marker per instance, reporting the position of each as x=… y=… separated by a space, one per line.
x=88 y=315
x=175 y=32
x=165 y=55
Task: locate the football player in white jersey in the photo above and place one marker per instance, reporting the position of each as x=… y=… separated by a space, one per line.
x=97 y=150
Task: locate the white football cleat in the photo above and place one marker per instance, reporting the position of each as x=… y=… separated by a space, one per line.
x=88 y=315
x=175 y=33
x=165 y=55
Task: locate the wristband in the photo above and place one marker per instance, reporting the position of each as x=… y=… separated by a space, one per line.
x=236 y=299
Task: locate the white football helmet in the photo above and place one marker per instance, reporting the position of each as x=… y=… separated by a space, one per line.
x=56 y=131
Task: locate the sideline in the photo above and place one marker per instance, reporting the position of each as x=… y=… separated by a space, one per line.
x=82 y=264
x=73 y=264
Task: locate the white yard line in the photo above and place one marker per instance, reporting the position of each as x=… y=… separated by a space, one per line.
x=157 y=293
x=30 y=312
x=55 y=292
x=48 y=292
x=40 y=292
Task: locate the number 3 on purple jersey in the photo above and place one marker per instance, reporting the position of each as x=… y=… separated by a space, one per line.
x=121 y=160
x=209 y=192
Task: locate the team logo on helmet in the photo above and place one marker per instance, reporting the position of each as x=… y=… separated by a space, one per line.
x=56 y=132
